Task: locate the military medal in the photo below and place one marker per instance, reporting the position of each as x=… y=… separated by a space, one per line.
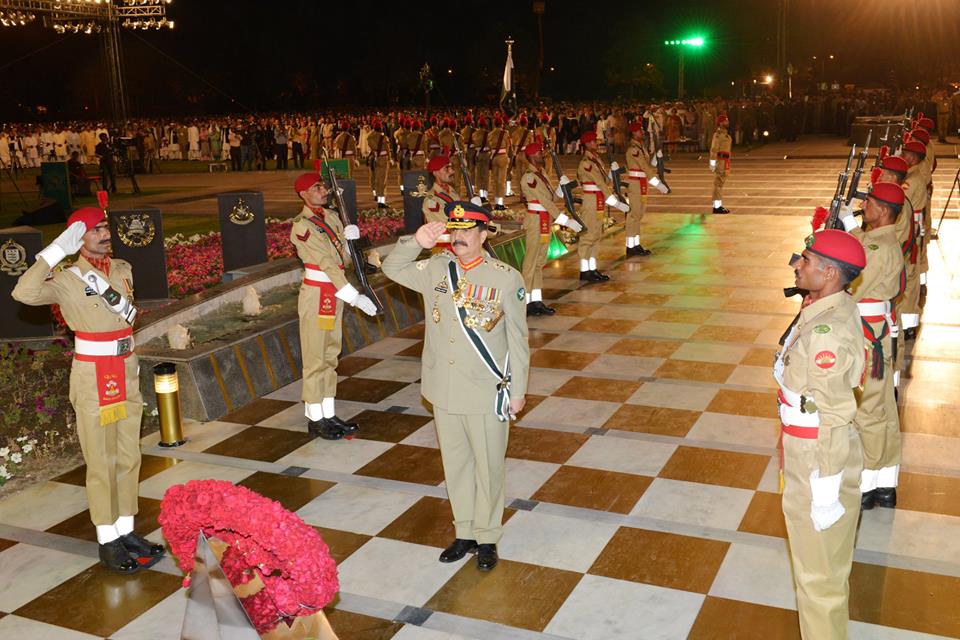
x=436 y=314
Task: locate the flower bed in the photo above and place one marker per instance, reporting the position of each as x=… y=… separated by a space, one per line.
x=36 y=421
x=196 y=263
x=264 y=543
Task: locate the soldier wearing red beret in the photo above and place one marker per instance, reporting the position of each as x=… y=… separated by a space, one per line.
x=95 y=295
x=720 y=147
x=597 y=196
x=916 y=185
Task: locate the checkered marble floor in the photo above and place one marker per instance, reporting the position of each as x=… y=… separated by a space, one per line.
x=641 y=477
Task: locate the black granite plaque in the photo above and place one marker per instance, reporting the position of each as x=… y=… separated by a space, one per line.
x=18 y=248
x=137 y=237
x=243 y=229
x=414 y=191
x=349 y=197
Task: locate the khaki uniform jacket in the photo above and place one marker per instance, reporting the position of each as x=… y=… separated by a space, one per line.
x=374 y=140
x=418 y=141
x=482 y=140
x=592 y=169
x=82 y=309
x=721 y=143
x=516 y=133
x=466 y=136
x=824 y=363
x=345 y=145
x=454 y=377
x=433 y=204
x=446 y=137
x=495 y=135
x=536 y=186
x=315 y=247
x=639 y=160
x=915 y=185
x=880 y=279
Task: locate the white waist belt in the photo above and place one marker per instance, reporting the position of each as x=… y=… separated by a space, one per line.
x=500 y=152
x=418 y=153
x=535 y=206
x=636 y=174
x=591 y=187
x=103 y=348
x=874 y=308
x=315 y=275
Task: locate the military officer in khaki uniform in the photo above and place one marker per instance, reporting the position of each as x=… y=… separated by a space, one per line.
x=817 y=369
x=345 y=145
x=922 y=133
x=720 y=146
x=379 y=162
x=640 y=175
x=466 y=137
x=875 y=291
x=943 y=116
x=499 y=160
x=542 y=213
x=481 y=148
x=597 y=195
x=318 y=236
x=519 y=139
x=95 y=295
x=915 y=186
x=418 y=144
x=475 y=367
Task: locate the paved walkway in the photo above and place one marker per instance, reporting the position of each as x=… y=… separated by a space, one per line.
x=641 y=479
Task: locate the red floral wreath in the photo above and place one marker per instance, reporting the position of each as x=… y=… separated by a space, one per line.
x=263 y=540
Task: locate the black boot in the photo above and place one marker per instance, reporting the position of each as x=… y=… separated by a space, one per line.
x=115 y=557
x=544 y=309
x=140 y=546
x=486 y=557
x=590 y=276
x=458 y=549
x=346 y=427
x=721 y=210
x=886 y=497
x=601 y=277
x=382 y=205
x=532 y=309
x=868 y=500
x=499 y=207
x=640 y=251
x=325 y=429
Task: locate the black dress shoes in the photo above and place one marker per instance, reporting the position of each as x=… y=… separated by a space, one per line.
x=590 y=276
x=141 y=547
x=601 y=277
x=886 y=497
x=537 y=308
x=458 y=549
x=347 y=427
x=486 y=557
x=868 y=500
x=637 y=251
x=115 y=557
x=910 y=334
x=325 y=428
x=721 y=210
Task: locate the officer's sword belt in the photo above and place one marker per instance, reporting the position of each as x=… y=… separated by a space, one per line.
x=115 y=301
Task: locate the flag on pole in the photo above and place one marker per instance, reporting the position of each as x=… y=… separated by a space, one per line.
x=507 y=76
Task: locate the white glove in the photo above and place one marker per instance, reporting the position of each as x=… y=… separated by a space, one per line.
x=351 y=232
x=558 y=192
x=659 y=186
x=612 y=201
x=477 y=201
x=348 y=293
x=65 y=244
x=623 y=206
x=614 y=167
x=825 y=509
x=570 y=223
x=366 y=305
x=564 y=180
x=653 y=160
x=846 y=217
x=713 y=165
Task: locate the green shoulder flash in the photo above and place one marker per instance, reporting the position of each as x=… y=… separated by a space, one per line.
x=521 y=294
x=822 y=328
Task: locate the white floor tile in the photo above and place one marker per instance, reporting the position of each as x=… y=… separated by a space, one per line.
x=554 y=541
x=399 y=370
x=572 y=411
x=674 y=395
x=694 y=503
x=155 y=486
x=425 y=436
x=524 y=477
x=162 y=622
x=42 y=506
x=730 y=429
x=356 y=508
x=930 y=536
x=15 y=627
x=624 y=455
x=345 y=456
x=761 y=575
x=27 y=571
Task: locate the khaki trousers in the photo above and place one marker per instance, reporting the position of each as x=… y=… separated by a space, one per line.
x=638 y=207
x=498 y=176
x=483 y=173
x=821 y=559
x=719 y=177
x=319 y=349
x=474 y=449
x=378 y=176
x=877 y=419
x=535 y=255
x=112 y=452
x=593 y=213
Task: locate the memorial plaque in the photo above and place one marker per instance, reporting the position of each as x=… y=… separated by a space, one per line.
x=340 y=165
x=18 y=248
x=415 y=190
x=243 y=229
x=55 y=183
x=137 y=236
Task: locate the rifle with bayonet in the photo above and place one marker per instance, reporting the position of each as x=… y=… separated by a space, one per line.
x=357 y=256
x=833 y=217
x=852 y=192
x=493 y=151
x=904 y=124
x=658 y=157
x=566 y=189
x=469 y=187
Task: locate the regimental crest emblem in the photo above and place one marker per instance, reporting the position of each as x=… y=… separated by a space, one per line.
x=136 y=230
x=13 y=258
x=241 y=214
x=421 y=191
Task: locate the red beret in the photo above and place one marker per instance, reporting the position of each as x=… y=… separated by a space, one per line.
x=482 y=121
x=417 y=125
x=433 y=119
x=497 y=121
x=305 y=181
x=722 y=119
x=589 y=136
x=468 y=118
x=437 y=162
x=545 y=118
x=376 y=124
x=921 y=135
x=888 y=193
x=896 y=164
x=523 y=120
x=838 y=245
x=532 y=149
x=344 y=124
x=90 y=216
x=916 y=147
x=926 y=123
x=635 y=126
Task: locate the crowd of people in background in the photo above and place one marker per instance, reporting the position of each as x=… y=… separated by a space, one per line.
x=287 y=141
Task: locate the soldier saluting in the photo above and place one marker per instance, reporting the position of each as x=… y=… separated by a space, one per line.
x=475 y=365
x=95 y=295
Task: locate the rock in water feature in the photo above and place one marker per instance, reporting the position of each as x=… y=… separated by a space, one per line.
x=178 y=336
x=251 y=303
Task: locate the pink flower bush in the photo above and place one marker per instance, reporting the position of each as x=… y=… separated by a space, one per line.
x=263 y=540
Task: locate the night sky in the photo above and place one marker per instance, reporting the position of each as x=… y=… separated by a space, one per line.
x=297 y=54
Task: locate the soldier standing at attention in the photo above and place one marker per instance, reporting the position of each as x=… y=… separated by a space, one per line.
x=95 y=295
x=817 y=368
x=417 y=146
x=499 y=147
x=542 y=213
x=345 y=145
x=915 y=186
x=475 y=365
x=379 y=162
x=720 y=161
x=592 y=175
x=318 y=235
x=640 y=174
x=481 y=147
x=466 y=138
x=519 y=142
